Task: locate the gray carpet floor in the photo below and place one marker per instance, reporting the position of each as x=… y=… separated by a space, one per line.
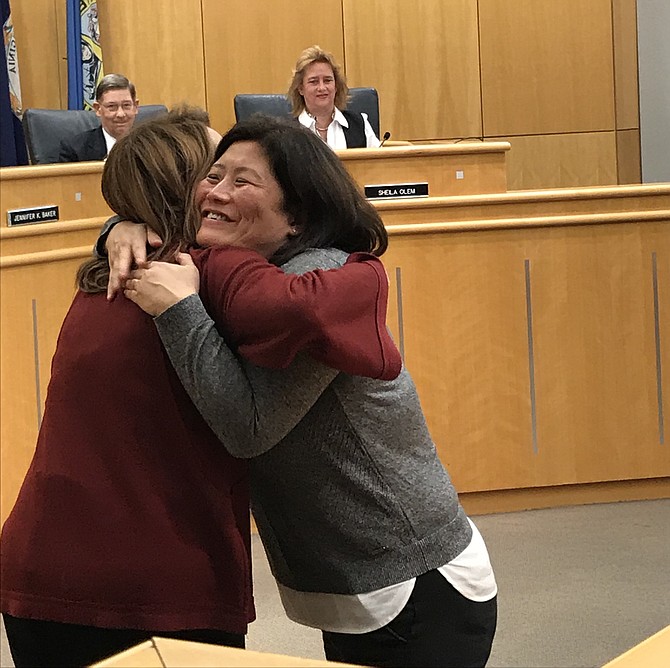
x=577 y=586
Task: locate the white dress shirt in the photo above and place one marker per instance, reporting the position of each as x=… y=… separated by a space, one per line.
x=335 y=137
x=109 y=140
x=470 y=573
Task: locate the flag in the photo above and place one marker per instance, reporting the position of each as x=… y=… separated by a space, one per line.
x=84 y=54
x=12 y=142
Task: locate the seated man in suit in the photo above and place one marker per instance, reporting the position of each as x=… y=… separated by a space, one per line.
x=116 y=106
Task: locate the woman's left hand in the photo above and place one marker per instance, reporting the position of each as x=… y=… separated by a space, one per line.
x=159 y=285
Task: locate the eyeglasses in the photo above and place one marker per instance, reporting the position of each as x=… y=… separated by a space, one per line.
x=113 y=108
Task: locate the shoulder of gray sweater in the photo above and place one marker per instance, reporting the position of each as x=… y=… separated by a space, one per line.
x=315 y=258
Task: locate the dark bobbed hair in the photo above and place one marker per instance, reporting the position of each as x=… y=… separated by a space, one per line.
x=150 y=177
x=320 y=198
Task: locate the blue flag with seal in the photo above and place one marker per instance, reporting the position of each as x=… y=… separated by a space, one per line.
x=84 y=54
x=12 y=142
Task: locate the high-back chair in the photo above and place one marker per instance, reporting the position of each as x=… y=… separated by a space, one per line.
x=365 y=100
x=148 y=110
x=270 y=104
x=44 y=129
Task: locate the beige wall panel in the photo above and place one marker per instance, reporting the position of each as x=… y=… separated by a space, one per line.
x=465 y=337
x=422 y=57
x=49 y=237
x=628 y=156
x=562 y=161
x=656 y=243
x=252 y=46
x=464 y=325
x=36 y=31
x=545 y=207
x=627 y=105
x=595 y=351
x=18 y=391
x=448 y=169
x=157 y=44
x=51 y=285
x=75 y=188
x=546 y=66
x=612 y=491
x=61 y=36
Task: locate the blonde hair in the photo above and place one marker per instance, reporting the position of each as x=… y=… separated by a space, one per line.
x=311 y=55
x=150 y=177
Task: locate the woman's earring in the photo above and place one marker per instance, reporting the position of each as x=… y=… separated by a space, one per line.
x=294 y=231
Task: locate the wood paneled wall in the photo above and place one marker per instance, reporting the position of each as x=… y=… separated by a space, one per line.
x=542 y=366
x=35 y=294
x=555 y=160
x=556 y=79
x=158 y=44
x=36 y=30
x=423 y=58
x=534 y=326
x=252 y=46
x=546 y=66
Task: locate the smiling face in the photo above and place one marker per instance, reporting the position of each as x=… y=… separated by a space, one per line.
x=240 y=202
x=116 y=110
x=318 y=89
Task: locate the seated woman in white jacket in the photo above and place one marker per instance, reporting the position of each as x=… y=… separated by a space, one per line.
x=318 y=96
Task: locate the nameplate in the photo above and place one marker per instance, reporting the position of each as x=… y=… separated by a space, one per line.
x=395 y=190
x=38 y=214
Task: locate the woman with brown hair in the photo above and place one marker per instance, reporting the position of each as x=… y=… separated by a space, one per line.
x=318 y=95
x=133 y=520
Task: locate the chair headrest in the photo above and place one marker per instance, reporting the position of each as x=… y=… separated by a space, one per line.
x=148 y=110
x=46 y=128
x=270 y=104
x=366 y=101
x=361 y=100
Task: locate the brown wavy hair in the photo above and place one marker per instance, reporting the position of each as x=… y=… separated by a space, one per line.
x=315 y=54
x=150 y=177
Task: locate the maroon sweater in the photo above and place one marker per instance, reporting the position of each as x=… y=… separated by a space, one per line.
x=132 y=514
x=338 y=316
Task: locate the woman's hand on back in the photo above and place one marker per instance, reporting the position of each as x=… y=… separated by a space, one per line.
x=127 y=245
x=157 y=286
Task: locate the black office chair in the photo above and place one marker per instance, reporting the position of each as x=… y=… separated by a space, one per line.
x=366 y=101
x=361 y=100
x=148 y=110
x=45 y=128
x=270 y=104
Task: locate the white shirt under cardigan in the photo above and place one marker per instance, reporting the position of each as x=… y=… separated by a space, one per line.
x=109 y=141
x=470 y=573
x=335 y=137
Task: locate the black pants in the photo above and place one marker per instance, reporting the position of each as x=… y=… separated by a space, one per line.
x=38 y=643
x=437 y=627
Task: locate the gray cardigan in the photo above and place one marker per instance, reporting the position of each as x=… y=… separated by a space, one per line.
x=348 y=492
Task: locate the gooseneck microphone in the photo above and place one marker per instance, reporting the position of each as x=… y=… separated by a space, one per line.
x=387 y=135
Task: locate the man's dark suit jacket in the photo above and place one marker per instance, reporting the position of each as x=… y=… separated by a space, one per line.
x=89 y=145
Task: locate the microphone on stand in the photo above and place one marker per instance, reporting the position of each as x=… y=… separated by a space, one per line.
x=387 y=135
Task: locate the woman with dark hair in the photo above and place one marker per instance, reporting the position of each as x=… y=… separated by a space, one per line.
x=360 y=521
x=133 y=520
x=318 y=95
